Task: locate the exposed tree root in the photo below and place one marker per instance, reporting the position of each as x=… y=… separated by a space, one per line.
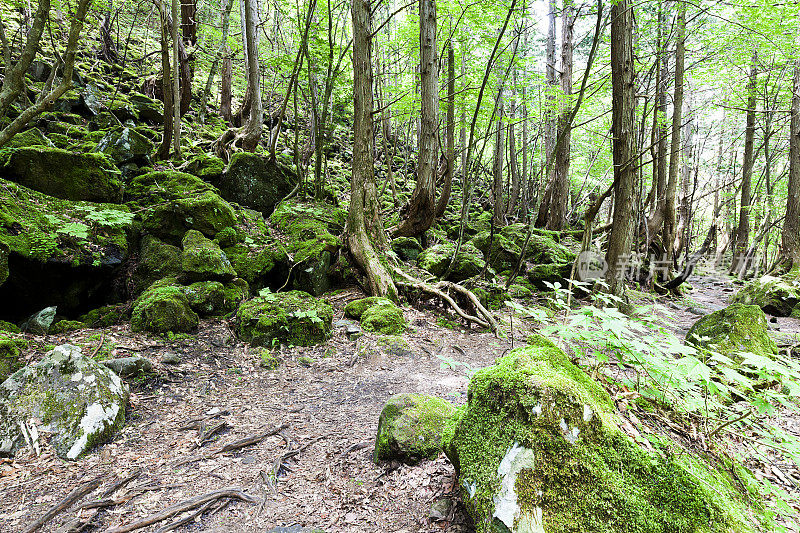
x=230 y=142
x=440 y=290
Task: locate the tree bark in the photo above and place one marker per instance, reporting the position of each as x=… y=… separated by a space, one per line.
x=364 y=233
x=422 y=206
x=789 y=258
x=225 y=18
x=444 y=197
x=225 y=91
x=176 y=84
x=166 y=86
x=499 y=158
x=250 y=134
x=550 y=115
x=624 y=151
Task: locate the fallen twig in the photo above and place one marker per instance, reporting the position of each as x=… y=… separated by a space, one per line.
x=76 y=494
x=235 y=445
x=187 y=505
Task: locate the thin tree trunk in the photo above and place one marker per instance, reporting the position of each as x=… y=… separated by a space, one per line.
x=166 y=86
x=444 y=197
x=225 y=17
x=251 y=132
x=225 y=91
x=789 y=258
x=499 y=155
x=742 y=234
x=422 y=206
x=623 y=116
x=176 y=85
x=550 y=118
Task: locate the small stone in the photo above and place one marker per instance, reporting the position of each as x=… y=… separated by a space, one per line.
x=39 y=324
x=353 y=332
x=440 y=509
x=171 y=358
x=129 y=367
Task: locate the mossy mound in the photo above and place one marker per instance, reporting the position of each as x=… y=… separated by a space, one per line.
x=157 y=260
x=407 y=248
x=175 y=202
x=65 y=326
x=437 y=258
x=80 y=401
x=31 y=137
x=537 y=448
x=308 y=230
x=776 y=296
x=540 y=275
x=212 y=298
x=737 y=328
x=3 y=263
x=293 y=317
x=379 y=315
x=410 y=428
x=356 y=308
x=202 y=259
x=125 y=146
x=206 y=167
x=163 y=307
x=63 y=174
x=255 y=181
x=103 y=317
x=10 y=347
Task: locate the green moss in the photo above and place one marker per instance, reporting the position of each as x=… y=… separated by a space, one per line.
x=31 y=137
x=8 y=327
x=407 y=248
x=259 y=264
x=103 y=317
x=157 y=260
x=228 y=237
x=776 y=296
x=163 y=307
x=65 y=326
x=386 y=319
x=206 y=298
x=292 y=317
x=539 y=434
x=202 y=259
x=541 y=274
x=356 y=308
x=63 y=174
x=737 y=328
x=206 y=167
x=437 y=258
x=268 y=360
x=410 y=427
x=10 y=348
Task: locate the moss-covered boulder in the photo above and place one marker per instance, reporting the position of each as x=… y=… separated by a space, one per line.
x=776 y=296
x=10 y=347
x=437 y=258
x=737 y=328
x=379 y=315
x=309 y=233
x=202 y=259
x=540 y=275
x=293 y=317
x=146 y=108
x=79 y=401
x=407 y=248
x=163 y=307
x=66 y=326
x=538 y=448
x=174 y=202
x=3 y=263
x=212 y=298
x=31 y=137
x=103 y=317
x=125 y=146
x=410 y=428
x=206 y=167
x=157 y=260
x=63 y=174
x=256 y=181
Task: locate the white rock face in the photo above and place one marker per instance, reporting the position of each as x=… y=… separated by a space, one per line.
x=80 y=402
x=506 y=507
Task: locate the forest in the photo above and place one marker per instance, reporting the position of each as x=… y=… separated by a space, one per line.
x=328 y=266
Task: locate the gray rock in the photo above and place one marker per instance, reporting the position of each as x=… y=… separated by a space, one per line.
x=256 y=182
x=126 y=146
x=79 y=401
x=353 y=332
x=440 y=509
x=129 y=367
x=171 y=358
x=39 y=324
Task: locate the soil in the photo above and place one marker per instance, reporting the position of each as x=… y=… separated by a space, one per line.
x=329 y=405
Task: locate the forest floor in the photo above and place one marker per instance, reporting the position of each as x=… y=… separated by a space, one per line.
x=330 y=411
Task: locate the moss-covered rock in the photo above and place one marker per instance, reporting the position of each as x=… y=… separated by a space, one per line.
x=206 y=298
x=103 y=317
x=80 y=401
x=126 y=145
x=202 y=259
x=538 y=448
x=10 y=347
x=377 y=314
x=157 y=260
x=737 y=328
x=8 y=327
x=31 y=137
x=163 y=307
x=174 y=202
x=776 y=296
x=437 y=258
x=356 y=308
x=206 y=167
x=293 y=317
x=4 y=251
x=540 y=275
x=503 y=254
x=255 y=181
x=65 y=326
x=407 y=248
x=63 y=174
x=309 y=235
x=410 y=428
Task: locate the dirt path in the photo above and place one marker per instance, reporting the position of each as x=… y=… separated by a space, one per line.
x=331 y=406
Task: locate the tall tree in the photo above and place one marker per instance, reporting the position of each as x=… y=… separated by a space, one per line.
x=422 y=206
x=250 y=134
x=789 y=258
x=450 y=155
x=176 y=84
x=624 y=148
x=364 y=233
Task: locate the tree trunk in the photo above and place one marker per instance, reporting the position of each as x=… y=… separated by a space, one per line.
x=550 y=115
x=499 y=158
x=166 y=86
x=250 y=134
x=742 y=233
x=176 y=85
x=789 y=258
x=109 y=47
x=223 y=46
x=422 y=206
x=364 y=233
x=225 y=90
x=513 y=192
x=624 y=151
x=444 y=197
x=189 y=21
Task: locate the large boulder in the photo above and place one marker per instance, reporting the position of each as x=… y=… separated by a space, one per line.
x=60 y=252
x=538 y=448
x=776 y=296
x=379 y=315
x=737 y=328
x=157 y=260
x=80 y=402
x=31 y=137
x=293 y=317
x=174 y=202
x=256 y=181
x=163 y=307
x=437 y=258
x=309 y=233
x=125 y=146
x=410 y=428
x=63 y=174
x=202 y=259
